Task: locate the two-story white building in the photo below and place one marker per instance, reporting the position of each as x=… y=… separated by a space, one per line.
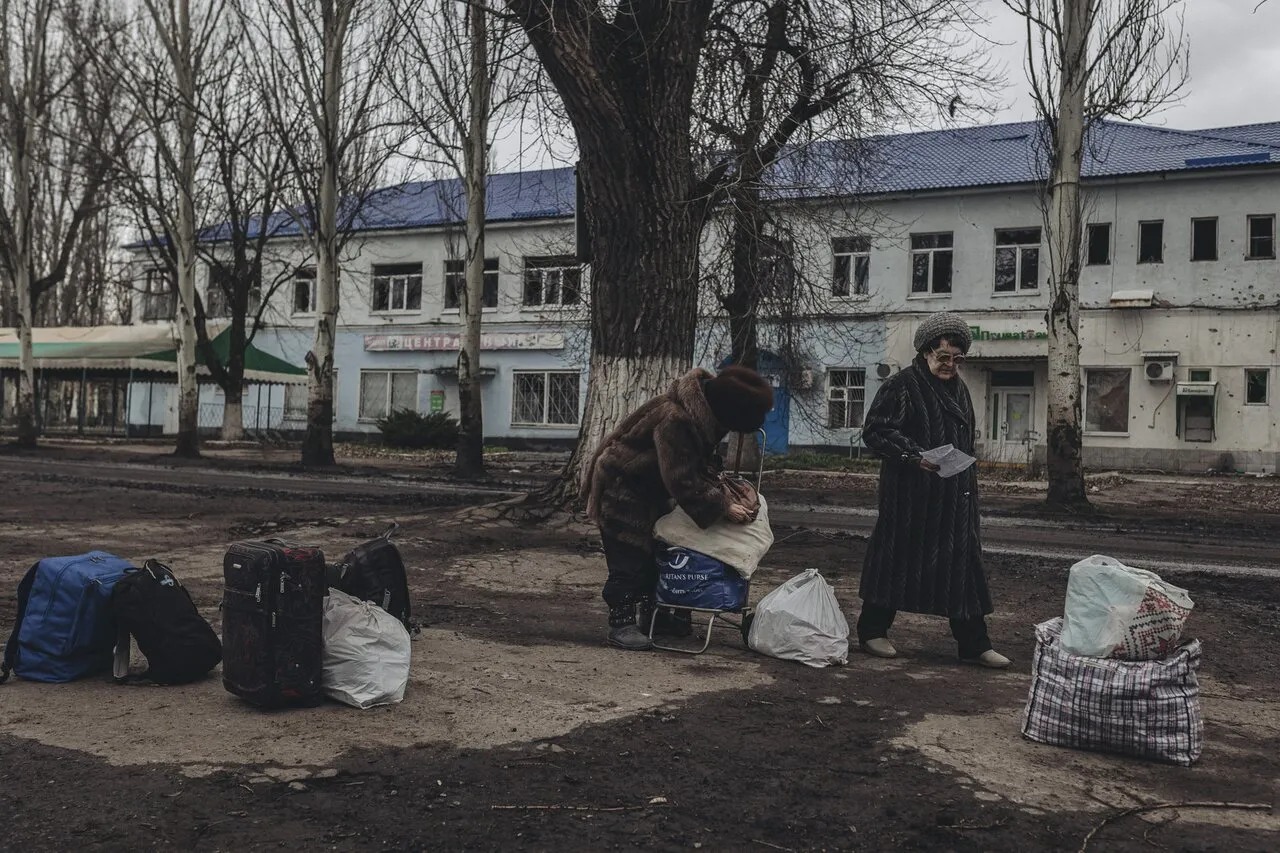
x=1180 y=297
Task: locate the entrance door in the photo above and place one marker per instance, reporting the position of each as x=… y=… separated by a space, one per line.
x=777 y=424
x=1012 y=427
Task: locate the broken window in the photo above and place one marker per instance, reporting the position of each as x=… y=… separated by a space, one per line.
x=1099 y=240
x=1151 y=242
x=1107 y=400
x=1204 y=239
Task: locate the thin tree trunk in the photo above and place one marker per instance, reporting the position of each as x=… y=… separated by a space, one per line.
x=1065 y=436
x=470 y=458
x=28 y=429
x=317 y=445
x=743 y=307
x=188 y=443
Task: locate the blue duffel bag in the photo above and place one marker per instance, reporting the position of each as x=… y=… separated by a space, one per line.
x=689 y=579
x=65 y=628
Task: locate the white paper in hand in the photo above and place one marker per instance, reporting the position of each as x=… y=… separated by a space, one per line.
x=949 y=460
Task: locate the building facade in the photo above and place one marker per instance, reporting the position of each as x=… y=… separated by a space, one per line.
x=1180 y=300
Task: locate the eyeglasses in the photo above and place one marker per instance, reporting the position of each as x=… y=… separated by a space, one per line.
x=948 y=358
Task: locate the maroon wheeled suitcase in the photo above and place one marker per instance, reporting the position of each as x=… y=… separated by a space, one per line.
x=273 y=622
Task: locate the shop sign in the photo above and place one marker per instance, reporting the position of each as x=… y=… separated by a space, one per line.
x=981 y=334
x=452 y=342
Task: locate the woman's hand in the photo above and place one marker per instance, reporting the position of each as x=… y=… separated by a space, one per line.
x=738 y=514
x=927 y=466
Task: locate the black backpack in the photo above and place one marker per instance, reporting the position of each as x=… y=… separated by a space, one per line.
x=375 y=572
x=180 y=646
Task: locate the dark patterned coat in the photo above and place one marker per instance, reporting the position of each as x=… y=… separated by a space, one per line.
x=664 y=451
x=925 y=555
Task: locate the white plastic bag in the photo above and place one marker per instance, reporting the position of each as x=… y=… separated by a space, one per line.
x=366 y=653
x=801 y=620
x=739 y=546
x=1113 y=610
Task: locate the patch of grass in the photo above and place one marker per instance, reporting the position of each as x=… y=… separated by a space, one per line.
x=810 y=461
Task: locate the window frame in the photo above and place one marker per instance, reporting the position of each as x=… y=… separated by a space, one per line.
x=389 y=373
x=394 y=274
x=1019 y=270
x=1266 y=386
x=1197 y=220
x=1248 y=236
x=1143 y=224
x=1128 y=401
x=932 y=252
x=546 y=373
x=541 y=266
x=165 y=295
x=855 y=253
x=456 y=278
x=846 y=401
x=1088 y=246
x=301 y=274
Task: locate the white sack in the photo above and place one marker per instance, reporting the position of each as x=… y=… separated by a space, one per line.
x=1116 y=611
x=366 y=653
x=801 y=620
x=739 y=546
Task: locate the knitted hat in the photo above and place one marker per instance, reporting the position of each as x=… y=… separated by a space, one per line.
x=739 y=398
x=944 y=323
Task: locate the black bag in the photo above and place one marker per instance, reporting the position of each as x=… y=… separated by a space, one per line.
x=150 y=604
x=375 y=572
x=273 y=622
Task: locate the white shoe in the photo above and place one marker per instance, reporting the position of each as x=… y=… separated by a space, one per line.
x=991 y=659
x=880 y=647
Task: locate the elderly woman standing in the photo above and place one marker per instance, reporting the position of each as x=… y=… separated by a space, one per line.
x=925 y=555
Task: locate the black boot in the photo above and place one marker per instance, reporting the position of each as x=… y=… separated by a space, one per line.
x=623 y=633
x=671 y=623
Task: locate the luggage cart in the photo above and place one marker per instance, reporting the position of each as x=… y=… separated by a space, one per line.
x=736 y=620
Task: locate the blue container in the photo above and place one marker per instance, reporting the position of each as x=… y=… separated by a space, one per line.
x=689 y=579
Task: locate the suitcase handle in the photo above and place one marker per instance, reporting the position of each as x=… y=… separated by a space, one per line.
x=390 y=531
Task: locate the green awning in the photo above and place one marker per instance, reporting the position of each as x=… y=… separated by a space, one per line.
x=255 y=360
x=141 y=349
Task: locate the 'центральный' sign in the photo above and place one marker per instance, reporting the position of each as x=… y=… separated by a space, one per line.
x=452 y=342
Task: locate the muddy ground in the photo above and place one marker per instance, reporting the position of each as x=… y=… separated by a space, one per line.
x=520 y=730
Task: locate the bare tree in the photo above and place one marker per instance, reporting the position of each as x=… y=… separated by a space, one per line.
x=461 y=73
x=58 y=129
x=238 y=182
x=1087 y=60
x=781 y=76
x=627 y=74
x=323 y=66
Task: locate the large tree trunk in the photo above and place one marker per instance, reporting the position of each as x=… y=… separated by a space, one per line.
x=1065 y=436
x=470 y=458
x=627 y=83
x=188 y=443
x=233 y=413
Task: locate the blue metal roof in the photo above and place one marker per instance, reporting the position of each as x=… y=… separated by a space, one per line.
x=1010 y=154
x=989 y=156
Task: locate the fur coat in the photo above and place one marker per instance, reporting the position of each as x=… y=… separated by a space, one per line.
x=665 y=451
x=925 y=555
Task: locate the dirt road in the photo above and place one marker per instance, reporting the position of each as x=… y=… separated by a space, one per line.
x=521 y=731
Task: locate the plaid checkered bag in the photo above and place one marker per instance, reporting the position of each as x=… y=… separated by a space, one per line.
x=1149 y=709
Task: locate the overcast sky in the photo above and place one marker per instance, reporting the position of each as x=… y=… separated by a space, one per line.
x=1234 y=76
x=1235 y=64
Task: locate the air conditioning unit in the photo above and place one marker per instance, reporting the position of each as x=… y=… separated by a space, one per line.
x=885 y=369
x=1160 y=371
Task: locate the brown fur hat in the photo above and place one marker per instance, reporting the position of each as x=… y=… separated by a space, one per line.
x=739 y=398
